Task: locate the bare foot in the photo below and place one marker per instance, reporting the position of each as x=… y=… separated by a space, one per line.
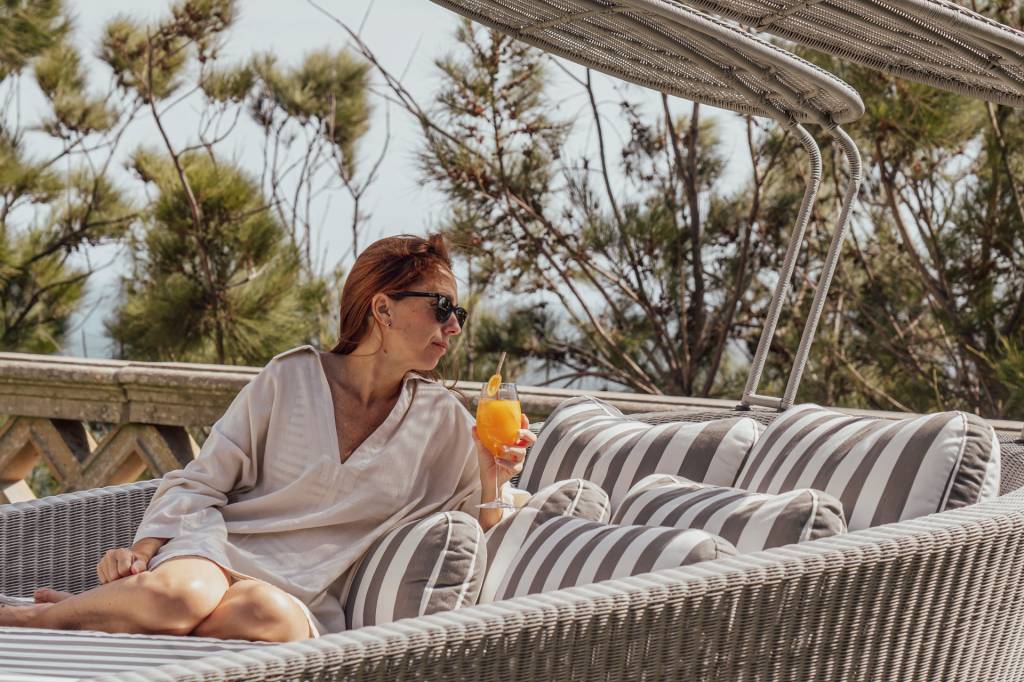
x=21 y=616
x=48 y=595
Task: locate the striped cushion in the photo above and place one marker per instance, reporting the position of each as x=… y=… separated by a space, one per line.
x=573 y=498
x=881 y=470
x=750 y=521
x=588 y=438
x=39 y=654
x=422 y=567
x=566 y=552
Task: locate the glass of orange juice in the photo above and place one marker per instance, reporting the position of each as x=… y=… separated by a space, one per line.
x=498 y=420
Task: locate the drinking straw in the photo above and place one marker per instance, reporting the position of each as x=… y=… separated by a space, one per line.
x=501 y=361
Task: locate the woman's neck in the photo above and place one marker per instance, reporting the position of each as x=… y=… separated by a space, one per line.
x=368 y=378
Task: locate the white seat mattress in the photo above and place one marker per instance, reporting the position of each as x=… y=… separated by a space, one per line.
x=38 y=655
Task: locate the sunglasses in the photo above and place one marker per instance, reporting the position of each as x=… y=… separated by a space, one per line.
x=443 y=306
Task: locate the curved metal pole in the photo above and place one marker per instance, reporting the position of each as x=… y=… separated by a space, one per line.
x=796 y=240
x=810 y=192
x=825 y=279
x=750 y=397
x=737 y=60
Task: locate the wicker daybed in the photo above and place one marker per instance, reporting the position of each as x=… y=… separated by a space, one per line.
x=933 y=598
x=936 y=598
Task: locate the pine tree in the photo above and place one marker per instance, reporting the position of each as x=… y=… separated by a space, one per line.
x=627 y=273
x=47 y=215
x=926 y=311
x=222 y=272
x=229 y=293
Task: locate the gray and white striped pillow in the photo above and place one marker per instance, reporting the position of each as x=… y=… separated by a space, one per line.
x=881 y=470
x=573 y=498
x=587 y=438
x=566 y=552
x=434 y=564
x=750 y=521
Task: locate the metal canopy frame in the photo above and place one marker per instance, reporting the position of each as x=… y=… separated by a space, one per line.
x=681 y=51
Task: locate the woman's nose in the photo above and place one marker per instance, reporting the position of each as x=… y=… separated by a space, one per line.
x=452 y=326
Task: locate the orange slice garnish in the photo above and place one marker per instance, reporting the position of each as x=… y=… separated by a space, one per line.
x=493 y=384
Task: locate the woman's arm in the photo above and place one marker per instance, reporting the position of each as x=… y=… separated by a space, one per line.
x=123 y=562
x=189 y=499
x=488 y=517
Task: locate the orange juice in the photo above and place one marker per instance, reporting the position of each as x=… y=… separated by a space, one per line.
x=497 y=423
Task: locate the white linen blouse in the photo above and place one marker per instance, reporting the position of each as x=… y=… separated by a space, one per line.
x=269 y=498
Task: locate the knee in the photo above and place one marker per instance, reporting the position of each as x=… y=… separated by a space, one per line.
x=177 y=603
x=256 y=611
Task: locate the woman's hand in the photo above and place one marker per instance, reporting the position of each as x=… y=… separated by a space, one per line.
x=510 y=464
x=123 y=562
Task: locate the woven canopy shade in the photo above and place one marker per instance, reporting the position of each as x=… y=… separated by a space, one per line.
x=936 y=42
x=692 y=55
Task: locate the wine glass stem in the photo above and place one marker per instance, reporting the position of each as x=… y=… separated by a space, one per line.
x=496 y=484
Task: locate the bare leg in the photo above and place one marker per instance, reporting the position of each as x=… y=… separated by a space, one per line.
x=172 y=599
x=255 y=611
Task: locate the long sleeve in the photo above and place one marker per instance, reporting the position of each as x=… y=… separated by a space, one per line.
x=190 y=499
x=459 y=426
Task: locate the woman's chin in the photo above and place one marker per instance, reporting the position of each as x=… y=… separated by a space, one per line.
x=430 y=362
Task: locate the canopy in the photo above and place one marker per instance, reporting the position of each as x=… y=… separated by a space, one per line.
x=693 y=55
x=930 y=41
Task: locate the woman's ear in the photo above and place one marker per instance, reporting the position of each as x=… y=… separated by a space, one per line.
x=381 y=309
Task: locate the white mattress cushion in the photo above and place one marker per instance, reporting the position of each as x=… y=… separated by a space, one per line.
x=38 y=654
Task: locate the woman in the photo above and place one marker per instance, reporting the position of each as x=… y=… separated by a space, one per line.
x=318 y=456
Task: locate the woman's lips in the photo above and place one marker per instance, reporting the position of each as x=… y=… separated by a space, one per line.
x=441 y=345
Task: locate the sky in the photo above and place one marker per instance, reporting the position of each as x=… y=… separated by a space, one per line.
x=406 y=35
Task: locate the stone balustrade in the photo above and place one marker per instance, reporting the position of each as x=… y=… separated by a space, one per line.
x=151 y=407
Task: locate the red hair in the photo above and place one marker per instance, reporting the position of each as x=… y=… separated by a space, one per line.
x=386 y=266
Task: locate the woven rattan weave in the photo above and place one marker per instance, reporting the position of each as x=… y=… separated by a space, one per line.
x=930 y=41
